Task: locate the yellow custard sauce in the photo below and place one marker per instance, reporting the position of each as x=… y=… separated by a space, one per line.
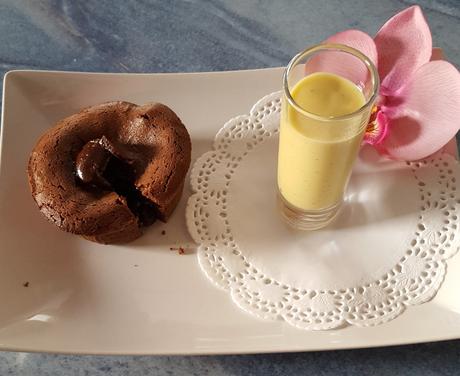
x=316 y=155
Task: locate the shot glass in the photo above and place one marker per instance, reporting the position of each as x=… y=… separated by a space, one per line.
x=319 y=137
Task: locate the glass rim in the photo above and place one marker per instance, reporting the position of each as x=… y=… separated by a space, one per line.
x=339 y=48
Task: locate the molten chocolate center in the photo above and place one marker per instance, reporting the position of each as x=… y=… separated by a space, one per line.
x=104 y=166
x=91 y=164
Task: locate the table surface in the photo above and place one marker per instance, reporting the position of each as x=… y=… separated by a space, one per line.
x=178 y=36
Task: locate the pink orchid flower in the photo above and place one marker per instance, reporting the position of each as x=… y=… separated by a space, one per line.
x=418 y=110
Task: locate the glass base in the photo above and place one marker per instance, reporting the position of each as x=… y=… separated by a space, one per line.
x=307 y=219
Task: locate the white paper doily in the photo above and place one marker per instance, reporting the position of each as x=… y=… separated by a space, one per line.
x=387 y=249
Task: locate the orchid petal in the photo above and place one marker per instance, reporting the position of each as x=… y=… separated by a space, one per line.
x=357 y=40
x=426 y=114
x=343 y=64
x=404 y=44
x=451 y=147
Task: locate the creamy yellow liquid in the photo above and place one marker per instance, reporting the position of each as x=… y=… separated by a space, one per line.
x=315 y=157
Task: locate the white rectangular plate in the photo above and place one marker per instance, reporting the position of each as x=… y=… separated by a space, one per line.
x=142 y=298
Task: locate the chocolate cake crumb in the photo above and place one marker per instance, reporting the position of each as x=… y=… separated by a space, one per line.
x=163 y=232
x=180 y=250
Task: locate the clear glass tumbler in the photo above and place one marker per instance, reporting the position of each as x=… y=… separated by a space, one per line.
x=317 y=149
